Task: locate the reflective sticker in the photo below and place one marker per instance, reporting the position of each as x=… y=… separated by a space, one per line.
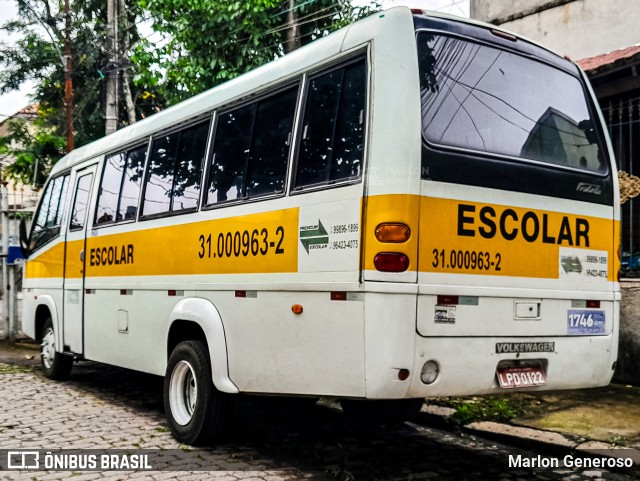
x=581 y=322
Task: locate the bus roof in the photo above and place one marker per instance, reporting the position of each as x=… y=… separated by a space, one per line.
x=259 y=80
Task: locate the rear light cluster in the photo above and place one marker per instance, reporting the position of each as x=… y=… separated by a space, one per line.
x=392 y=233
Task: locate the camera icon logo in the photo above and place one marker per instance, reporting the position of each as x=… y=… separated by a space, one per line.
x=23 y=459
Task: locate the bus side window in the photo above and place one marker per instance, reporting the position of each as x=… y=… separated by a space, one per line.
x=175 y=165
x=231 y=146
x=110 y=188
x=130 y=192
x=332 y=144
x=270 y=145
x=157 y=190
x=79 y=210
x=120 y=186
x=49 y=215
x=251 y=149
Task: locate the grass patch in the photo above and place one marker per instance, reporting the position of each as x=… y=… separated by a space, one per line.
x=618 y=441
x=486 y=408
x=13 y=369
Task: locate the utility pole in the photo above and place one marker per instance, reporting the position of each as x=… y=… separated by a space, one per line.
x=111 y=113
x=68 y=84
x=124 y=24
x=293 y=30
x=6 y=287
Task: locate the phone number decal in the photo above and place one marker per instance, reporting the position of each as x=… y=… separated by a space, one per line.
x=466 y=260
x=246 y=243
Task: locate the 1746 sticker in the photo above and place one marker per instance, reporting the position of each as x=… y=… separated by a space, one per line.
x=581 y=322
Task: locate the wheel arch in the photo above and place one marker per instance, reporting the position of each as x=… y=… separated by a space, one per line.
x=44 y=309
x=198 y=319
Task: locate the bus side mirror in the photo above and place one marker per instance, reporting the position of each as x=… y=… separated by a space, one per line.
x=24 y=239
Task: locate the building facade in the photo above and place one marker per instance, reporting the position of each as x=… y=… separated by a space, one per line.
x=602 y=36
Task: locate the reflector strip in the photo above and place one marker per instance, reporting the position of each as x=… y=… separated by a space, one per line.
x=339 y=296
x=448 y=300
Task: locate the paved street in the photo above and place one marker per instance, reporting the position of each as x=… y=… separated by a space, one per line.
x=108 y=408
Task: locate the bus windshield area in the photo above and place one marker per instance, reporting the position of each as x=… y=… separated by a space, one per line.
x=485 y=99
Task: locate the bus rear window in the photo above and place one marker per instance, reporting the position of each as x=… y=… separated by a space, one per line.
x=485 y=99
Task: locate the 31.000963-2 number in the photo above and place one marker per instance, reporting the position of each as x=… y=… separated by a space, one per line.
x=240 y=243
x=459 y=259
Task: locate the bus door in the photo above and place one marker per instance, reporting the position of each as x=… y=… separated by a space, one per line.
x=74 y=264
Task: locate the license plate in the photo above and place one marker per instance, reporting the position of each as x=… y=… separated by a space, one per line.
x=521 y=376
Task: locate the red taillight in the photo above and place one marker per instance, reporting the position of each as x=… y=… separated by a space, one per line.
x=593 y=304
x=417 y=11
x=391 y=262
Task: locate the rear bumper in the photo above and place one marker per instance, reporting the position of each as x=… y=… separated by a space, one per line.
x=467 y=364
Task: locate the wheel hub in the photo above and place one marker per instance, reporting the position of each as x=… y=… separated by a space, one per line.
x=48 y=351
x=183 y=393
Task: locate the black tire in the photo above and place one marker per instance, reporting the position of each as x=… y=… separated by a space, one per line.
x=381 y=411
x=196 y=411
x=55 y=365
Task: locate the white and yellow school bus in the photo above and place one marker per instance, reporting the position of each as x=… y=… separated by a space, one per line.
x=412 y=206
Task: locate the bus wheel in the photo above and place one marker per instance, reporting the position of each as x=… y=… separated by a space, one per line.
x=195 y=409
x=381 y=411
x=54 y=364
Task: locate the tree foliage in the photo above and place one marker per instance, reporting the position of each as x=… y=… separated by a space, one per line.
x=38 y=55
x=33 y=146
x=205 y=43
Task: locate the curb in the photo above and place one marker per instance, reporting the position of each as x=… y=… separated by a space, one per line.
x=548 y=442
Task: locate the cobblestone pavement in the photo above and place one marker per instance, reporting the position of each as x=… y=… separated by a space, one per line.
x=103 y=407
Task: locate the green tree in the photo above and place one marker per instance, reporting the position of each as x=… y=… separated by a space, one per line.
x=33 y=148
x=205 y=43
x=38 y=56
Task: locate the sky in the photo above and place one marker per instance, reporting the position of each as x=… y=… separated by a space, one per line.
x=11 y=102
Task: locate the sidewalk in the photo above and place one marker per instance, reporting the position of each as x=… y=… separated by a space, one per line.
x=587 y=422
x=597 y=422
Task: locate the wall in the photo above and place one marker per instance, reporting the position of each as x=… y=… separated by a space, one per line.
x=627 y=371
x=577 y=28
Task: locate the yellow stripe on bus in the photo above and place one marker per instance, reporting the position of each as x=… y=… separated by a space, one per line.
x=48 y=264
x=257 y=243
x=455 y=237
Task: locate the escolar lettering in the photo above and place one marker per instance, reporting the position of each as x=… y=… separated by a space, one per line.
x=113 y=255
x=531 y=226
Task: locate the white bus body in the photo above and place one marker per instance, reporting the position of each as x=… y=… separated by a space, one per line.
x=410 y=275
